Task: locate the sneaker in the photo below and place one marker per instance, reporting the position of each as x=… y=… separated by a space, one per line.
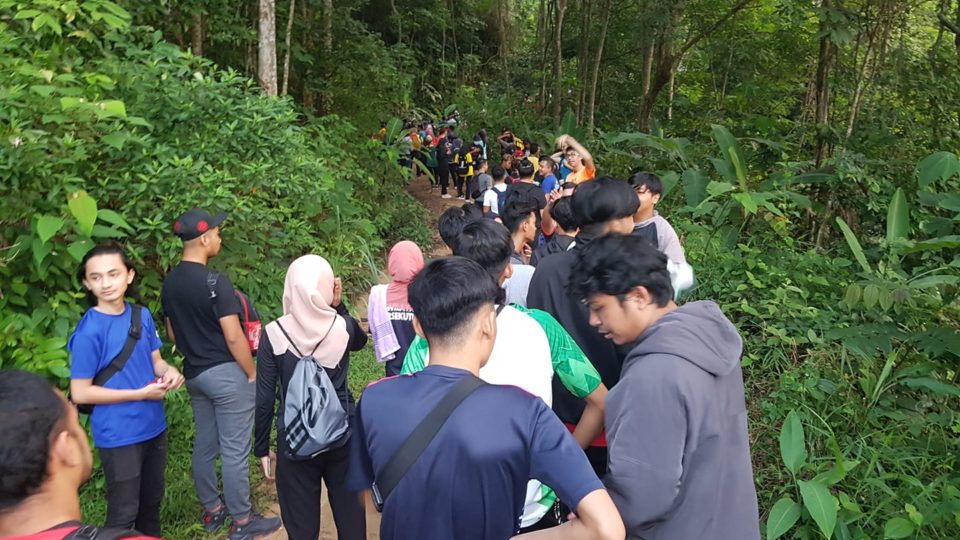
x=446 y=196
x=461 y=197
x=214 y=520
x=257 y=527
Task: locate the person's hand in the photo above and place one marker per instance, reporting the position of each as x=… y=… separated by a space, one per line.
x=562 y=142
x=553 y=196
x=154 y=391
x=526 y=254
x=172 y=378
x=266 y=462
x=337 y=292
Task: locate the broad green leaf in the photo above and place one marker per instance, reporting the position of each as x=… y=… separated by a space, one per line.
x=934 y=281
x=394 y=127
x=783 y=516
x=937 y=167
x=67 y=103
x=84 y=208
x=950 y=201
x=898 y=217
x=45 y=19
x=852 y=295
x=116 y=139
x=933 y=244
x=26 y=14
x=47 y=226
x=747 y=201
x=79 y=248
x=870 y=296
x=836 y=473
x=898 y=527
x=114 y=107
x=793 y=448
x=854 y=245
x=694 y=186
x=719 y=188
x=40 y=251
x=821 y=505
x=731 y=152
x=932 y=385
x=101 y=231
x=113 y=218
x=886 y=299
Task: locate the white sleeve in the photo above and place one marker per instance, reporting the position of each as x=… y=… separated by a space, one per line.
x=490 y=199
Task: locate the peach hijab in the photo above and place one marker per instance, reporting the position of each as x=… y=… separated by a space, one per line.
x=308 y=318
x=404 y=262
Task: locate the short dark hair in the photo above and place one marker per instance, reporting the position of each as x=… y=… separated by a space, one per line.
x=452 y=221
x=567 y=185
x=534 y=148
x=447 y=293
x=648 y=180
x=514 y=213
x=486 y=243
x=525 y=168
x=481 y=162
x=108 y=249
x=602 y=200
x=562 y=213
x=498 y=172
x=616 y=264
x=30 y=410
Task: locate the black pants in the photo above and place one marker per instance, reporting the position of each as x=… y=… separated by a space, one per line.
x=444 y=177
x=298 y=488
x=457 y=180
x=135 y=484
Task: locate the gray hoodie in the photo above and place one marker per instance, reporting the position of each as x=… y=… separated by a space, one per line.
x=676 y=423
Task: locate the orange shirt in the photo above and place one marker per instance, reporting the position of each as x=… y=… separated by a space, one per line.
x=586 y=173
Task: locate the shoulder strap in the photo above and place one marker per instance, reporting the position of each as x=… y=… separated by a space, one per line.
x=422 y=436
x=133 y=336
x=89 y=532
x=243 y=302
x=294 y=345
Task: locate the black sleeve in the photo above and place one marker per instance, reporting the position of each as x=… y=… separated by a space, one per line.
x=227 y=302
x=358 y=338
x=267 y=372
x=540 y=197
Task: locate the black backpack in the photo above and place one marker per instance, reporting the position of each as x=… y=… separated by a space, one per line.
x=89 y=532
x=520 y=192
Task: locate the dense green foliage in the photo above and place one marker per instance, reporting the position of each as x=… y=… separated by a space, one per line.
x=809 y=148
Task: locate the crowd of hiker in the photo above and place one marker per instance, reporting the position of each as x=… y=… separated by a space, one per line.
x=543 y=381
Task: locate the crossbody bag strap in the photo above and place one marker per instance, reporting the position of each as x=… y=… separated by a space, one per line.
x=133 y=336
x=412 y=448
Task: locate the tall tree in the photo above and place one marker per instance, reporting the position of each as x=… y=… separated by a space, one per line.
x=267 y=51
x=196 y=33
x=598 y=59
x=561 y=9
x=287 y=49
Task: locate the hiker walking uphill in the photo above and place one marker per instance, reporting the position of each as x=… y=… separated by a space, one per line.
x=389 y=311
x=676 y=423
x=203 y=319
x=468 y=448
x=306 y=355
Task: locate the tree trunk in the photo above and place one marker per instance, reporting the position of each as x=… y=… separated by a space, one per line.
x=547 y=41
x=267 y=53
x=670 y=85
x=822 y=117
x=286 y=43
x=326 y=102
x=604 y=25
x=306 y=16
x=558 y=61
x=196 y=34
x=583 y=62
x=177 y=26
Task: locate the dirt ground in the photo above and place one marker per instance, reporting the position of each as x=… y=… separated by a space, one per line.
x=419 y=188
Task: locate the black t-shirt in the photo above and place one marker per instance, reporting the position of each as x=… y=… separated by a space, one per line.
x=272 y=369
x=548 y=291
x=195 y=316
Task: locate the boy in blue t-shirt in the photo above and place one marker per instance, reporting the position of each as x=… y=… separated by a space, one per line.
x=128 y=423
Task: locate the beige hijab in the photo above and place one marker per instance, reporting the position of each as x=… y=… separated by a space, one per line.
x=308 y=318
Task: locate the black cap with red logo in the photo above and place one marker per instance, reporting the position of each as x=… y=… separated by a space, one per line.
x=194 y=222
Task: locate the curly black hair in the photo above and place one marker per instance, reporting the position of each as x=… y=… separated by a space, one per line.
x=30 y=410
x=616 y=264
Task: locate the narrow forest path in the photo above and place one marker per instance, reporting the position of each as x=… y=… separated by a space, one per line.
x=266 y=491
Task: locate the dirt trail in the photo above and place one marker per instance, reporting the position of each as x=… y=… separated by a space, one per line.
x=266 y=491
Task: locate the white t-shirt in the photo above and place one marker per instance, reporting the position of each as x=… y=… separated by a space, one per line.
x=490 y=198
x=518 y=284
